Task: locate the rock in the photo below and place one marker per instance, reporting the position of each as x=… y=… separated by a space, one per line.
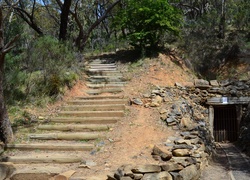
x=201 y=83
x=87 y=164
x=190 y=136
x=154 y=104
x=138 y=176
x=181 y=152
x=125 y=170
x=190 y=173
x=157 y=99
x=184 y=161
x=182 y=146
x=188 y=84
x=182 y=141
x=148 y=168
x=226 y=82
x=171 y=119
x=187 y=123
x=158 y=176
x=6 y=170
x=176 y=176
x=109 y=177
x=179 y=85
x=126 y=178
x=171 y=167
x=137 y=101
x=163 y=111
x=164 y=154
x=214 y=83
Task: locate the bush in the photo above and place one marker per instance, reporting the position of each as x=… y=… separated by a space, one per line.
x=44 y=69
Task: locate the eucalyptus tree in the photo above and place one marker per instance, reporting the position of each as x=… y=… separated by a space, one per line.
x=146 y=21
x=6 y=133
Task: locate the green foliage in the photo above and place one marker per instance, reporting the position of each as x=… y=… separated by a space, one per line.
x=146 y=21
x=47 y=68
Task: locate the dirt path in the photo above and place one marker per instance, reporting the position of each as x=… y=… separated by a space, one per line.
x=132 y=139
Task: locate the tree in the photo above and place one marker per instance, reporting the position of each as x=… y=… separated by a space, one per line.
x=146 y=21
x=5 y=126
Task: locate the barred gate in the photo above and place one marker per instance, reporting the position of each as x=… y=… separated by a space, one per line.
x=225 y=123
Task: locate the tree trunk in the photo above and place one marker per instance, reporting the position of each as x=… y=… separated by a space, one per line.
x=64 y=19
x=6 y=133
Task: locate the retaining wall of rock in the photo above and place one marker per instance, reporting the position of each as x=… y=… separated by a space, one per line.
x=184 y=109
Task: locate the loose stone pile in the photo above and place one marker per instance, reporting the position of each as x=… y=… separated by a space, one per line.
x=182 y=108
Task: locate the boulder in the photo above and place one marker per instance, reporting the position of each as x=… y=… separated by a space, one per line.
x=158 y=176
x=171 y=167
x=190 y=173
x=148 y=168
x=214 y=83
x=181 y=152
x=201 y=83
x=164 y=154
x=138 y=176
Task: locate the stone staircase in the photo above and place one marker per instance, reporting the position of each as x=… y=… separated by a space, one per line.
x=80 y=123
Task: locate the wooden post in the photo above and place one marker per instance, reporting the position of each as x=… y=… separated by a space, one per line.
x=211 y=120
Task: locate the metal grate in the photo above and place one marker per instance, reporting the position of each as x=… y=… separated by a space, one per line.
x=225 y=124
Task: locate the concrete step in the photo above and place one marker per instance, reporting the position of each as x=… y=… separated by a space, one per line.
x=86 y=120
x=74 y=127
x=66 y=136
x=37 y=158
x=108 y=90
x=106 y=77
x=108 y=107
x=104 y=72
x=101 y=65
x=97 y=101
x=54 y=147
x=92 y=113
x=97 y=86
x=100 y=97
x=106 y=80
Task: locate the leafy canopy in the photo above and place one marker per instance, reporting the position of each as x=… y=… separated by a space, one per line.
x=146 y=21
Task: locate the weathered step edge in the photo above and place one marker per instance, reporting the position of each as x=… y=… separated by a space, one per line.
x=97 y=101
x=92 y=113
x=65 y=136
x=91 y=120
x=42 y=159
x=94 y=107
x=56 y=147
x=109 y=90
x=118 y=97
x=74 y=127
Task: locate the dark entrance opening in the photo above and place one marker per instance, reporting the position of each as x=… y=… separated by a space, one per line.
x=225 y=123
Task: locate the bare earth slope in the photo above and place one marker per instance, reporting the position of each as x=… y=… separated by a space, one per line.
x=132 y=139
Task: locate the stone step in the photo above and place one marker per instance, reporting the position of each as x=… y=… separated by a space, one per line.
x=49 y=146
x=109 y=80
x=42 y=159
x=100 y=91
x=104 y=72
x=103 y=82
x=100 y=97
x=101 y=65
x=92 y=113
x=66 y=136
x=96 y=86
x=97 y=101
x=74 y=127
x=106 y=77
x=84 y=120
x=108 y=107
